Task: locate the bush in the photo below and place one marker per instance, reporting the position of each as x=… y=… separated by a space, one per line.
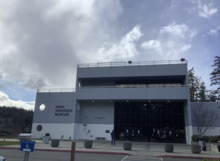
x=214 y=139
x=195 y=138
x=206 y=138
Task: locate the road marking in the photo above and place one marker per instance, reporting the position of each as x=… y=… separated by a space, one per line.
x=141 y=158
x=124 y=158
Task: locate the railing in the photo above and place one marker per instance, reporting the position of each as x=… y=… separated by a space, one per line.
x=48 y=90
x=133 y=86
x=130 y=63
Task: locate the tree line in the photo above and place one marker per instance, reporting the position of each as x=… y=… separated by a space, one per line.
x=15 y=120
x=197 y=88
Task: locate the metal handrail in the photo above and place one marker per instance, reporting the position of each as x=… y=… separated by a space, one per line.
x=135 y=63
x=48 y=90
x=133 y=86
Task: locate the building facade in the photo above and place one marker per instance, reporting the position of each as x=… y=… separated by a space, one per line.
x=139 y=100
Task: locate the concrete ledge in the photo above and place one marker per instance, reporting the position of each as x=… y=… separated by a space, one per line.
x=212 y=147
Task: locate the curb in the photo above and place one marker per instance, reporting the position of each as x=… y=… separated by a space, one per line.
x=77 y=151
x=185 y=157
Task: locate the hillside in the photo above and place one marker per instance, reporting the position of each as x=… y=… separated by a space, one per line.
x=15 y=120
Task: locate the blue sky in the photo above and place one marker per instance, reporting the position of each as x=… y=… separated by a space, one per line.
x=41 y=43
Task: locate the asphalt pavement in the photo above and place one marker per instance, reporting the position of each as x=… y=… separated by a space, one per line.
x=16 y=155
x=104 y=148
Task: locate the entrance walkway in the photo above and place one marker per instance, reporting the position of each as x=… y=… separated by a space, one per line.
x=138 y=148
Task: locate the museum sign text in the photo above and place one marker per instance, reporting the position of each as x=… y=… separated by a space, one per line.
x=61 y=111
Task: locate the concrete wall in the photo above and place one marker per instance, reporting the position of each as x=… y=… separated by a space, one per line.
x=212 y=106
x=56 y=130
x=91 y=131
x=133 y=71
x=52 y=102
x=95 y=119
x=97 y=113
x=52 y=121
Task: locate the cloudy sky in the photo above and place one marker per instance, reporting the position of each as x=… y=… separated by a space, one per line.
x=41 y=42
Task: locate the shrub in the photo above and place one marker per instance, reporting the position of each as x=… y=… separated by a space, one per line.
x=206 y=138
x=195 y=138
x=214 y=139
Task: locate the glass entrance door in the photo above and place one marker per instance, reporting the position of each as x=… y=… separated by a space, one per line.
x=144 y=121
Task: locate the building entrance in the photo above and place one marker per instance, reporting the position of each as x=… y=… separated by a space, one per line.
x=150 y=121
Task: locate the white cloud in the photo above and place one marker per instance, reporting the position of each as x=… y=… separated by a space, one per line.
x=42 y=43
x=5 y=101
x=214 y=32
x=184 y=48
x=206 y=11
x=153 y=45
x=125 y=49
x=33 y=82
x=176 y=30
x=172 y=40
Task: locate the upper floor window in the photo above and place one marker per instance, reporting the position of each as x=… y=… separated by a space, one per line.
x=148 y=85
x=166 y=85
x=131 y=85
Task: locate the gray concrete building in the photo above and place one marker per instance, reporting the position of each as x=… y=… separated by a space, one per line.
x=139 y=100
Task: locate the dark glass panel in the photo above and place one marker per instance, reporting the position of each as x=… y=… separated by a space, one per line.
x=127 y=119
x=169 y=120
x=117 y=117
x=122 y=118
x=181 y=109
x=169 y=108
x=157 y=119
x=175 y=109
x=132 y=108
x=138 y=120
x=143 y=117
x=138 y=109
x=144 y=109
x=117 y=110
x=151 y=119
x=121 y=108
x=164 y=120
x=132 y=119
x=127 y=108
x=181 y=119
x=176 y=119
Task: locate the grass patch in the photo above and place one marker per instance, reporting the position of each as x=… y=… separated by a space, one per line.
x=8 y=138
x=36 y=139
x=11 y=138
x=4 y=143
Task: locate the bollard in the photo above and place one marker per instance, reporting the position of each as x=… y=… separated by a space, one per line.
x=4 y=137
x=73 y=147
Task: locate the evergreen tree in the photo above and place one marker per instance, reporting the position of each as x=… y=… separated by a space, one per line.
x=19 y=119
x=212 y=96
x=215 y=75
x=194 y=83
x=202 y=92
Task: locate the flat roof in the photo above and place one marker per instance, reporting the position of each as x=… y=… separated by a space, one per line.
x=132 y=63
